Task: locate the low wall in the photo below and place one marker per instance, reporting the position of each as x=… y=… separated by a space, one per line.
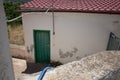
x=20 y=52
x=99 y=66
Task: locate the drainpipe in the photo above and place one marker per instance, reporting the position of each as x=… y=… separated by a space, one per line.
x=6 y=68
x=53 y=20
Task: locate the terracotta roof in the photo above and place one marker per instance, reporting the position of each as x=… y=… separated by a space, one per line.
x=107 y=6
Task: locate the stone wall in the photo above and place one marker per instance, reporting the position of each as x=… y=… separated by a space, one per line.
x=100 y=66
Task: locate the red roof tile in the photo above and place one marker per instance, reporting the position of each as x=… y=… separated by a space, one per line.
x=110 y=6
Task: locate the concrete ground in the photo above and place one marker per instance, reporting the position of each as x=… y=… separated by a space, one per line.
x=19 y=65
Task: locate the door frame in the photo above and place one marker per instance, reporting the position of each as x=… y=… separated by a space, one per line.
x=35 y=46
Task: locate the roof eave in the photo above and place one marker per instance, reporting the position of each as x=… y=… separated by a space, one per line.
x=63 y=10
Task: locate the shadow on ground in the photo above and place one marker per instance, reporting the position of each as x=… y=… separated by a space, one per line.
x=35 y=67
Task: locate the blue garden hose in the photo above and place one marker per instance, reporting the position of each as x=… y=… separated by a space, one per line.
x=43 y=72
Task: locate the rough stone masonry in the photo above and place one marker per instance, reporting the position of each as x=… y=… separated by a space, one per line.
x=100 y=66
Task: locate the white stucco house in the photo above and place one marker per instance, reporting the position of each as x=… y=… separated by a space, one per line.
x=67 y=30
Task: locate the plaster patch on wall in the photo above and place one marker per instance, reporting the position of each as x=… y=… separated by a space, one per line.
x=79 y=57
x=68 y=53
x=30 y=48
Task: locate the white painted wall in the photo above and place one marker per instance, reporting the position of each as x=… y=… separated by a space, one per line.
x=76 y=34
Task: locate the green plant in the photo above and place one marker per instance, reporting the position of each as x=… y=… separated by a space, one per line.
x=11 y=12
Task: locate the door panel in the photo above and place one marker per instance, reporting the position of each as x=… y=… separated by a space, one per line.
x=42 y=45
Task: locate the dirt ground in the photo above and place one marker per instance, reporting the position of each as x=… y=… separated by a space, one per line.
x=22 y=68
x=20 y=65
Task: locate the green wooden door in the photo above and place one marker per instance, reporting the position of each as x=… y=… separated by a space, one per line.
x=42 y=45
